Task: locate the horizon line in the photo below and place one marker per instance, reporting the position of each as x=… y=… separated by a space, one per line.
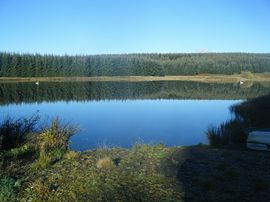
x=130 y=53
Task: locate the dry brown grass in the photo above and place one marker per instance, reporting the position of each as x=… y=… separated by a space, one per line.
x=70 y=155
x=208 y=78
x=105 y=163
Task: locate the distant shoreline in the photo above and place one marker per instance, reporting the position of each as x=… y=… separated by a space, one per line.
x=207 y=78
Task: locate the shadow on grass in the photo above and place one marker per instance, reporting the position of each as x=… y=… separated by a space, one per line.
x=209 y=174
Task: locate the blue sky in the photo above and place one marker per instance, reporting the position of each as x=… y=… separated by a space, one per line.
x=134 y=26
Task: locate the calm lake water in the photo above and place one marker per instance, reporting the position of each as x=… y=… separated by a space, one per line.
x=122 y=113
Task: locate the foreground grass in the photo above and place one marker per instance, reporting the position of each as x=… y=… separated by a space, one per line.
x=143 y=173
x=208 y=78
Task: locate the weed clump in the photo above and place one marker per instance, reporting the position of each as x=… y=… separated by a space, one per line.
x=26 y=149
x=13 y=133
x=7 y=189
x=247 y=74
x=70 y=155
x=53 y=142
x=105 y=163
x=250 y=114
x=56 y=136
x=228 y=133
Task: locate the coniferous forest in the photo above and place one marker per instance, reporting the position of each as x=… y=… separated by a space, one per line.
x=36 y=65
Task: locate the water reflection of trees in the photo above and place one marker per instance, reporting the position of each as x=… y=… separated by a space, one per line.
x=83 y=91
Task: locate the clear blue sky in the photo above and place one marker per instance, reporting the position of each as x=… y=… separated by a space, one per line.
x=134 y=26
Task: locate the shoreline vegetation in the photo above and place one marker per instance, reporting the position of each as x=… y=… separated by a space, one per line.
x=207 y=78
x=36 y=164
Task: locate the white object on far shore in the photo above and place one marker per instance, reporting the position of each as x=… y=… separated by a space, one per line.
x=37 y=83
x=259 y=140
x=241 y=82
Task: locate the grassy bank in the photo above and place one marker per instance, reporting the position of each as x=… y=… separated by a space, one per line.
x=46 y=170
x=209 y=78
x=142 y=173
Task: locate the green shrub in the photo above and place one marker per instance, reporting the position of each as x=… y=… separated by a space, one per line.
x=247 y=74
x=255 y=112
x=215 y=136
x=56 y=136
x=19 y=151
x=13 y=132
x=52 y=143
x=228 y=133
x=252 y=113
x=105 y=163
x=7 y=189
x=70 y=155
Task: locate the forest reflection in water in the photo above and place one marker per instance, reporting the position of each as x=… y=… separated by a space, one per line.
x=83 y=91
x=122 y=113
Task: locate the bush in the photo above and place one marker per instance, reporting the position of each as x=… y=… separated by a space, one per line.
x=250 y=114
x=13 y=132
x=70 y=155
x=56 y=136
x=52 y=143
x=7 y=191
x=105 y=163
x=247 y=75
x=215 y=136
x=228 y=133
x=19 y=151
x=255 y=112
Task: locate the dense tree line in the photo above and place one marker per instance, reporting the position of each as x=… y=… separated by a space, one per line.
x=34 y=65
x=84 y=91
